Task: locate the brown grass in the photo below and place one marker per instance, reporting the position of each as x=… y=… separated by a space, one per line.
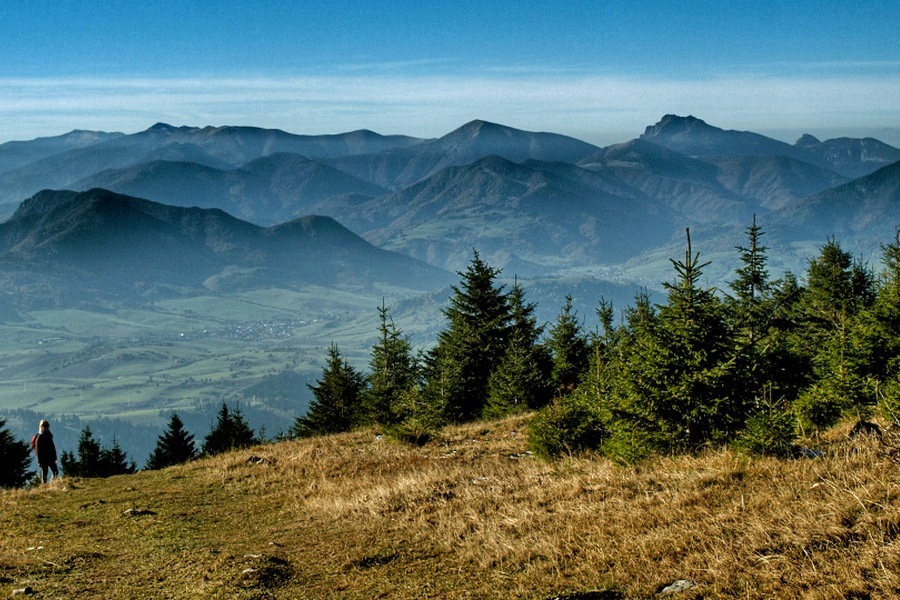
x=467 y=516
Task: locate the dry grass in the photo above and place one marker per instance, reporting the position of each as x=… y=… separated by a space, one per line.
x=467 y=516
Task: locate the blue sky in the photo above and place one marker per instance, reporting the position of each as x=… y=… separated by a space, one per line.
x=601 y=71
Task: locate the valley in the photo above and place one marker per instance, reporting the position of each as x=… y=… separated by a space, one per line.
x=181 y=267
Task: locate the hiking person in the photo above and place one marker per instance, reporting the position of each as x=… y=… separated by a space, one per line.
x=45 y=450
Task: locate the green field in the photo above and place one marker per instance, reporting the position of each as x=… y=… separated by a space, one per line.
x=257 y=350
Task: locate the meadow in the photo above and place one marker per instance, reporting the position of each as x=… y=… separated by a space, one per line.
x=471 y=514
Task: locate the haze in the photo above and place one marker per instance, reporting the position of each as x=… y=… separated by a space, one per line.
x=596 y=71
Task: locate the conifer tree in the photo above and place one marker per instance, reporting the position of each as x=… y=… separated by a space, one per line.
x=113 y=461
x=87 y=462
x=838 y=290
x=763 y=316
x=604 y=349
x=94 y=461
x=568 y=347
x=677 y=387
x=15 y=457
x=417 y=419
x=879 y=331
x=460 y=365
x=336 y=406
x=876 y=336
x=751 y=288
x=174 y=446
x=787 y=353
x=393 y=371
x=230 y=432
x=520 y=381
x=708 y=397
x=837 y=287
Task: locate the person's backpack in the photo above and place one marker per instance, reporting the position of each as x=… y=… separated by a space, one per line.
x=34 y=439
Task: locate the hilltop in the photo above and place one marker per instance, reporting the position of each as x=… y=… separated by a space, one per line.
x=469 y=515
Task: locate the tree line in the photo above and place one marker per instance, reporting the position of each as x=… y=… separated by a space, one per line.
x=756 y=366
x=174 y=446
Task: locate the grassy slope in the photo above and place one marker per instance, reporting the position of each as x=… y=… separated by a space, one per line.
x=467 y=516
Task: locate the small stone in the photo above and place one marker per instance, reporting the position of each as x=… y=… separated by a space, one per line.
x=137 y=512
x=679 y=585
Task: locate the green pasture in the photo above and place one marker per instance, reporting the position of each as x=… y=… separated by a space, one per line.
x=179 y=354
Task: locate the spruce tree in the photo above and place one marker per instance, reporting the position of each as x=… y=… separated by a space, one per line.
x=876 y=336
x=87 y=462
x=762 y=316
x=174 y=446
x=838 y=290
x=417 y=419
x=752 y=288
x=837 y=287
x=94 y=461
x=677 y=387
x=787 y=354
x=230 y=432
x=467 y=353
x=708 y=399
x=15 y=457
x=113 y=461
x=393 y=371
x=568 y=348
x=878 y=333
x=521 y=380
x=337 y=397
x=604 y=351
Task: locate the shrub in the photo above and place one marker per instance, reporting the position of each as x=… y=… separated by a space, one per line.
x=889 y=401
x=769 y=431
x=568 y=425
x=418 y=420
x=819 y=406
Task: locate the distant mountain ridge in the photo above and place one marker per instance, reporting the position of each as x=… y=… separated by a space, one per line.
x=694 y=137
x=471 y=142
x=266 y=190
x=536 y=202
x=217 y=147
x=85 y=244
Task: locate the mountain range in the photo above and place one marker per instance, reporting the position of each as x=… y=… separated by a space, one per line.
x=67 y=248
x=533 y=203
x=180 y=267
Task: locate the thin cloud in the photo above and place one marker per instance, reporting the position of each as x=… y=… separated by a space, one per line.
x=428 y=106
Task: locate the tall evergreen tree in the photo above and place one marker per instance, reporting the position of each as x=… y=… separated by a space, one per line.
x=467 y=353
x=751 y=288
x=87 y=462
x=230 y=432
x=393 y=371
x=678 y=387
x=568 y=347
x=521 y=379
x=94 y=461
x=837 y=287
x=173 y=447
x=114 y=461
x=879 y=333
x=838 y=290
x=15 y=457
x=336 y=406
x=787 y=354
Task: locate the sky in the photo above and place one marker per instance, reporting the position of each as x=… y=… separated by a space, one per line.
x=601 y=70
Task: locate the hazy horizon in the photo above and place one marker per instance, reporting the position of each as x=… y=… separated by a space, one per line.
x=601 y=73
